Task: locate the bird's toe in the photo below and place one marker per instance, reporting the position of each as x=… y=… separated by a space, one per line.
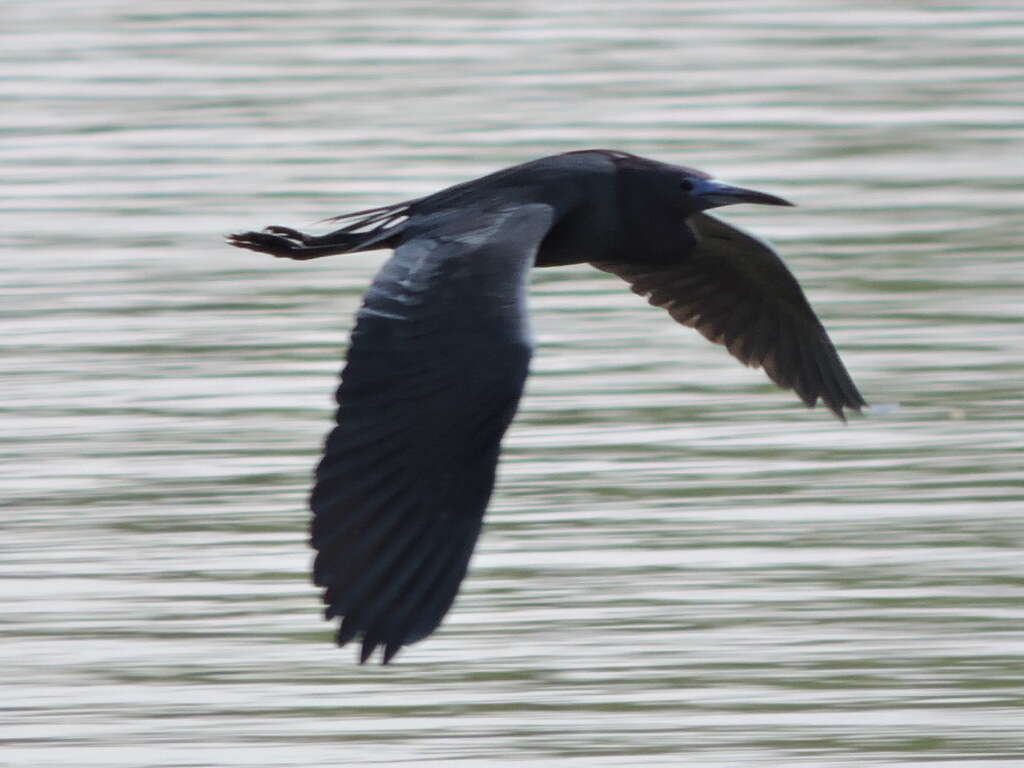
x=262 y=242
x=287 y=232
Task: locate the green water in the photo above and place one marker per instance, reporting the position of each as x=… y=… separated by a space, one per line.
x=681 y=566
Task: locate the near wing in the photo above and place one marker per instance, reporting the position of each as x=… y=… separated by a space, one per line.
x=736 y=291
x=435 y=370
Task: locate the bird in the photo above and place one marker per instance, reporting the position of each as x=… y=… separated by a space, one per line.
x=441 y=347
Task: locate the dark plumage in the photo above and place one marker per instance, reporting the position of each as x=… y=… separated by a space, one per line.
x=441 y=350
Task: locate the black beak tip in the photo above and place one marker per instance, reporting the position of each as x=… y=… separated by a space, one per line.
x=764 y=198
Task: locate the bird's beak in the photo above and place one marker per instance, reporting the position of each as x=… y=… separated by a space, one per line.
x=714 y=193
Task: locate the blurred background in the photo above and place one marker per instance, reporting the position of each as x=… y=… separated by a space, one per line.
x=682 y=565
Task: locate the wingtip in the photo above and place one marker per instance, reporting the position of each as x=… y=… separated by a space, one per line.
x=390 y=650
x=843 y=410
x=346 y=632
x=366 y=651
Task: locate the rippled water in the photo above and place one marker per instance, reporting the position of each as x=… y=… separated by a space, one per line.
x=682 y=566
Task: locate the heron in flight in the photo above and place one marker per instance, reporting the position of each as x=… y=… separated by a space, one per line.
x=441 y=350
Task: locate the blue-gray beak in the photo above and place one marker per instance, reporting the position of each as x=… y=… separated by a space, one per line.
x=714 y=193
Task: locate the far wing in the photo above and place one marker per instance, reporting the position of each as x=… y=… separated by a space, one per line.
x=736 y=291
x=435 y=370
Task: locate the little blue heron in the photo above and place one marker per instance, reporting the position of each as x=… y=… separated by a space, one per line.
x=441 y=348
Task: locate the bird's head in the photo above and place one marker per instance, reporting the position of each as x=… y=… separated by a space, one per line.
x=703 y=192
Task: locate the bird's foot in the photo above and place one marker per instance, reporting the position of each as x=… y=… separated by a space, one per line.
x=277 y=241
x=289 y=233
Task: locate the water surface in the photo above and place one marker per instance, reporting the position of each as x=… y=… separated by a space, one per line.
x=681 y=566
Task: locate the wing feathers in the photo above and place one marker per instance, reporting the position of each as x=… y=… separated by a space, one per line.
x=435 y=370
x=736 y=291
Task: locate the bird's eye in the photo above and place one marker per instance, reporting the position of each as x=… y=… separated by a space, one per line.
x=686 y=184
